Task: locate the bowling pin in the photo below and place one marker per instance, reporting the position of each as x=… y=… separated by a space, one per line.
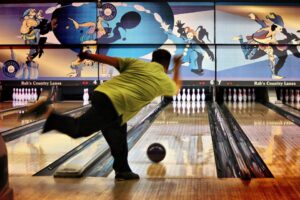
x=198 y=97
x=193 y=95
x=225 y=95
x=17 y=94
x=244 y=95
x=203 y=94
x=35 y=96
x=253 y=95
x=22 y=95
x=292 y=97
x=86 y=95
x=286 y=96
x=179 y=96
x=174 y=97
x=188 y=96
x=297 y=96
x=183 y=96
x=14 y=94
x=234 y=95
x=249 y=95
x=240 y=95
x=229 y=94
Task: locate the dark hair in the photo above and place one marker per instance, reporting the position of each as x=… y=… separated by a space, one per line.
x=162 y=57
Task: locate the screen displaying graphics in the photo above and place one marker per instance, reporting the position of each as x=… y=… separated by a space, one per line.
x=125 y=29
x=232 y=65
x=112 y=23
x=262 y=43
x=27 y=23
x=54 y=64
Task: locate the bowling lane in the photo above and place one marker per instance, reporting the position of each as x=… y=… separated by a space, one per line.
x=33 y=152
x=7 y=105
x=276 y=139
x=29 y=154
x=9 y=120
x=294 y=105
x=289 y=108
x=185 y=133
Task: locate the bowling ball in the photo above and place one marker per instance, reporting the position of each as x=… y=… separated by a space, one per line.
x=156 y=152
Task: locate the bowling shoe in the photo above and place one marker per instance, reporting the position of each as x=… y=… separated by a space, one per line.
x=122 y=176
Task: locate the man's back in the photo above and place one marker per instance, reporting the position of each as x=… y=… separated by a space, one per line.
x=137 y=85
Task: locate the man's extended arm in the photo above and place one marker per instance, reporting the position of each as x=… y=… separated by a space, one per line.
x=176 y=77
x=113 y=61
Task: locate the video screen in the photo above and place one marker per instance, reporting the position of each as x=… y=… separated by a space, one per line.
x=51 y=64
x=130 y=29
x=51 y=23
x=112 y=23
x=234 y=66
x=258 y=42
x=276 y=24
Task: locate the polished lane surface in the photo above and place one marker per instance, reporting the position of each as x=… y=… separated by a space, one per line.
x=185 y=133
x=276 y=139
x=33 y=152
x=7 y=105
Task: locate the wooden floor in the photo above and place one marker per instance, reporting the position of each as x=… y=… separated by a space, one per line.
x=48 y=188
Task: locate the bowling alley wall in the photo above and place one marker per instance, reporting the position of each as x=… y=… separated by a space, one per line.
x=227 y=43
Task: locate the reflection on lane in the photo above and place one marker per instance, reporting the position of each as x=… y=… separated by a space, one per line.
x=8 y=105
x=289 y=108
x=185 y=133
x=32 y=152
x=29 y=154
x=276 y=139
x=9 y=120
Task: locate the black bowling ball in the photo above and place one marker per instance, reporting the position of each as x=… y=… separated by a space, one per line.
x=156 y=152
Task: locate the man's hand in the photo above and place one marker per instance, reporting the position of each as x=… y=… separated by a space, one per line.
x=177 y=64
x=177 y=60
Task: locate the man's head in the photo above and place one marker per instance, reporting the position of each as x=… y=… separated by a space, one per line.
x=162 y=57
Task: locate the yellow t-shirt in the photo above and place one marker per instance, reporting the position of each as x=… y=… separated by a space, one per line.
x=137 y=85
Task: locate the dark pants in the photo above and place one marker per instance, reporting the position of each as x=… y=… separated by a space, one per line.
x=101 y=116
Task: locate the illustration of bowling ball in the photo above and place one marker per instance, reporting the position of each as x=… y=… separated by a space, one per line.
x=125 y=23
x=156 y=152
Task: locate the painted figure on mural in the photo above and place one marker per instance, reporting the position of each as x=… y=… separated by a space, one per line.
x=194 y=48
x=264 y=42
x=32 y=27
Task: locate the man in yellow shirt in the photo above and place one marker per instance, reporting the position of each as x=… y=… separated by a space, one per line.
x=116 y=101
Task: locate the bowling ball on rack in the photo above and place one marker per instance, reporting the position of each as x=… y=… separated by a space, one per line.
x=156 y=152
